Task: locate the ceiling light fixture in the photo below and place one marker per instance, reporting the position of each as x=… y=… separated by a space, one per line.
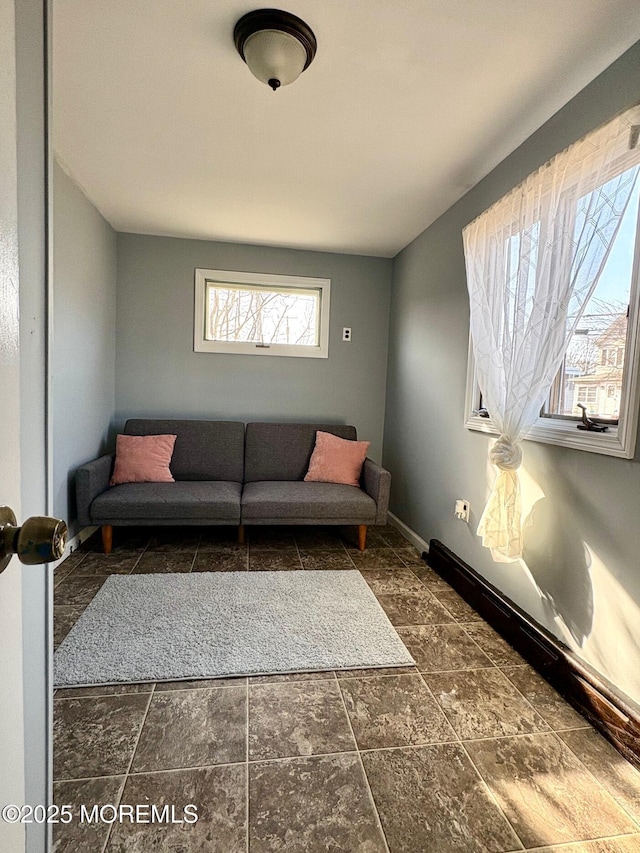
x=277 y=46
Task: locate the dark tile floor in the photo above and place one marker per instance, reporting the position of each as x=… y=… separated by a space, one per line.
x=469 y=752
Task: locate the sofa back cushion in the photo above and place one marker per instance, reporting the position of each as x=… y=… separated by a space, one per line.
x=204 y=450
x=283 y=451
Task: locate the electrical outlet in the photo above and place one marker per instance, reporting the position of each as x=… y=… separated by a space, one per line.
x=462 y=509
x=346 y=333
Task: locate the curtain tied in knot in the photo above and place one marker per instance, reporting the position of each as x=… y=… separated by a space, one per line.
x=500 y=525
x=505 y=454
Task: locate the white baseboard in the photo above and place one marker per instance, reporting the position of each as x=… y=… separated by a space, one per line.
x=420 y=543
x=74 y=543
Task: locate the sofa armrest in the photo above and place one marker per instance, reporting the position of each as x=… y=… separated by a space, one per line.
x=376 y=481
x=92 y=480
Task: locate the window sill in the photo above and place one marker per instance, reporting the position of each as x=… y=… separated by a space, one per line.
x=565 y=434
x=289 y=350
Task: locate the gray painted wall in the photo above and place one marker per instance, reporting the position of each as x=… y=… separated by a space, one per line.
x=84 y=318
x=582 y=576
x=158 y=374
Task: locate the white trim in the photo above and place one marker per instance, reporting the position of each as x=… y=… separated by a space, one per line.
x=420 y=543
x=618 y=441
x=33 y=839
x=289 y=282
x=74 y=543
x=566 y=434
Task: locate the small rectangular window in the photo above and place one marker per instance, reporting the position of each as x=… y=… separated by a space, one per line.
x=260 y=314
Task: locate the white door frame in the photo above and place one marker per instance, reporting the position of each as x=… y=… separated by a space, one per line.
x=12 y=735
x=25 y=592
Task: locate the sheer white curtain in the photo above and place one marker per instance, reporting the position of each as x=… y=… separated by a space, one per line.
x=533 y=260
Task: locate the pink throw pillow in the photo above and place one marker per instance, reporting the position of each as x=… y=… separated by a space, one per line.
x=143 y=459
x=336 y=460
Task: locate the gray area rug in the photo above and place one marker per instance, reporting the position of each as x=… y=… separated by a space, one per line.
x=214 y=624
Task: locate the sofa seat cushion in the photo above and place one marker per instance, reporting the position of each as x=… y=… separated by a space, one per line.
x=182 y=499
x=275 y=499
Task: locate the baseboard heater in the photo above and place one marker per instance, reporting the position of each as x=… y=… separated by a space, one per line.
x=589 y=693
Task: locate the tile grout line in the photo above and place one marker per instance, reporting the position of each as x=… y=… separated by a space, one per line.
x=260 y=684
x=253 y=762
x=285 y=758
x=138 y=773
x=483 y=781
x=559 y=739
x=128 y=770
x=246 y=767
x=171 y=690
x=476 y=643
x=353 y=562
x=140 y=555
x=525 y=663
x=490 y=666
x=364 y=772
x=425 y=625
x=598 y=782
x=195 y=556
x=465 y=627
x=530 y=704
x=562 y=729
x=447 y=587
x=566 y=845
x=295 y=542
x=414 y=671
x=539 y=713
x=98 y=695
x=135 y=773
x=117 y=804
x=144 y=720
x=89 y=778
x=516 y=735
x=491 y=794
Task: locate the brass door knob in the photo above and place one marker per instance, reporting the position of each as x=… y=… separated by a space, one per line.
x=40 y=539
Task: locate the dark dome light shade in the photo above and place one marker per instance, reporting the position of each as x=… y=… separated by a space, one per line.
x=277 y=46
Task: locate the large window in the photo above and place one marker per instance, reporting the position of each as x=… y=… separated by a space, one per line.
x=257 y=314
x=600 y=369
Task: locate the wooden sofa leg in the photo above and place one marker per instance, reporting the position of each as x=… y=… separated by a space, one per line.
x=241 y=534
x=362 y=537
x=107 y=538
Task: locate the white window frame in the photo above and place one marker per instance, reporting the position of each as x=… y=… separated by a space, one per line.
x=618 y=440
x=281 y=282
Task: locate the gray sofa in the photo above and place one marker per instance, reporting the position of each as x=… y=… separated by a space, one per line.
x=226 y=475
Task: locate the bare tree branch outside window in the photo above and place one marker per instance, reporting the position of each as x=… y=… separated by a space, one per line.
x=262 y=316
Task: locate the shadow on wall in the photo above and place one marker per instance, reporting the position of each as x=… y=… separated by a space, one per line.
x=560 y=565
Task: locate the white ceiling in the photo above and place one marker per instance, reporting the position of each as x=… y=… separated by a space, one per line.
x=407 y=105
